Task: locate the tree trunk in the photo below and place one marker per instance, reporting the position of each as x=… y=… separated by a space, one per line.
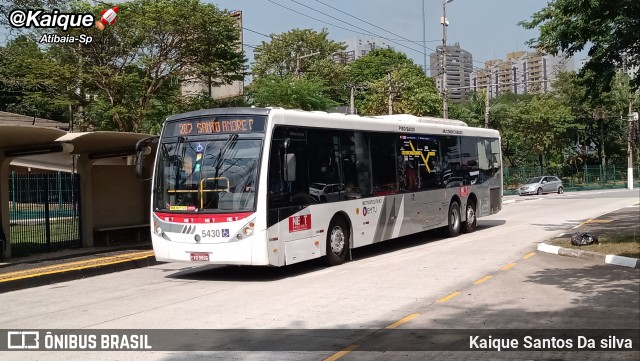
x=540 y=162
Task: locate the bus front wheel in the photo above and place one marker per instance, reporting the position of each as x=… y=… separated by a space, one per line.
x=337 y=241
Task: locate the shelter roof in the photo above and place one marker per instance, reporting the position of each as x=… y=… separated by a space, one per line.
x=103 y=142
x=17 y=136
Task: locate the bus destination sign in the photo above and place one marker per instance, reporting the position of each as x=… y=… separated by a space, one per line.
x=215 y=125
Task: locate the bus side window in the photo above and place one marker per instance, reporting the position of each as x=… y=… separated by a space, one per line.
x=383 y=159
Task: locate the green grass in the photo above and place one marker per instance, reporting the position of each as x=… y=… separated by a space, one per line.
x=626 y=245
x=32 y=238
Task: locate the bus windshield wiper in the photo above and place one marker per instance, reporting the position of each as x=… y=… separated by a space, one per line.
x=175 y=156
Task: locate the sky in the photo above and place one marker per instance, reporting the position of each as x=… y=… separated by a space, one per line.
x=486 y=28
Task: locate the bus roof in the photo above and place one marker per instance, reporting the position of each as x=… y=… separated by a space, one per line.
x=397 y=123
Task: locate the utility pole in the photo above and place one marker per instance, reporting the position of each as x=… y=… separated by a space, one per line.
x=390 y=99
x=352 y=101
x=424 y=40
x=445 y=23
x=298 y=57
x=633 y=116
x=486 y=102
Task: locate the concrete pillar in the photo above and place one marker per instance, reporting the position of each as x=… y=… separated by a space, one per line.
x=4 y=201
x=83 y=167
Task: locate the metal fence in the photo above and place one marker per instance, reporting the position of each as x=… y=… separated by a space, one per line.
x=582 y=178
x=44 y=212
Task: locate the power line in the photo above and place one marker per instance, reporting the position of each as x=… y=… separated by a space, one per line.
x=365 y=32
x=366 y=22
x=322 y=21
x=256 y=32
x=316 y=19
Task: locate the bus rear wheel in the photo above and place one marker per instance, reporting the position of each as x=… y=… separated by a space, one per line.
x=471 y=223
x=454 y=219
x=337 y=241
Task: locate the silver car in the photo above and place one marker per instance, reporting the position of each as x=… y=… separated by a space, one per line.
x=540 y=185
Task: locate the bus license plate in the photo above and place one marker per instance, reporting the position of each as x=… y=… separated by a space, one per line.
x=199 y=256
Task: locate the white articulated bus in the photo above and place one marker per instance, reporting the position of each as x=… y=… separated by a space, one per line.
x=270 y=186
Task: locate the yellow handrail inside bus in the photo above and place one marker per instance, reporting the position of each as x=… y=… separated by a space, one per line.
x=202 y=190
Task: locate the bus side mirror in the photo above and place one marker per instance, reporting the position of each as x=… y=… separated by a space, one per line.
x=139 y=167
x=143 y=148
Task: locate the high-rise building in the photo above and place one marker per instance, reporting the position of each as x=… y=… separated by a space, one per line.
x=521 y=72
x=459 y=68
x=360 y=46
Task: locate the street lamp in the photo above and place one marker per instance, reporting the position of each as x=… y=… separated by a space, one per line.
x=445 y=23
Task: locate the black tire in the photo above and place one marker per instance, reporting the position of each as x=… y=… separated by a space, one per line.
x=323 y=199
x=453 y=216
x=560 y=190
x=471 y=223
x=539 y=192
x=337 y=241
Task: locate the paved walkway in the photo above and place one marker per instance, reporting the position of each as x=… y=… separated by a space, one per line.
x=46 y=268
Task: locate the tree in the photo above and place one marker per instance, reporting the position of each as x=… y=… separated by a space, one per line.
x=289 y=92
x=298 y=64
x=280 y=56
x=385 y=71
x=28 y=81
x=608 y=27
x=602 y=119
x=115 y=80
x=411 y=91
x=538 y=125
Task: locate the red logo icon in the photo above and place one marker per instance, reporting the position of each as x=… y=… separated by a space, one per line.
x=300 y=223
x=108 y=17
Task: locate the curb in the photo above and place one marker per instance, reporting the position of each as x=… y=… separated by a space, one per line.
x=68 y=273
x=594 y=256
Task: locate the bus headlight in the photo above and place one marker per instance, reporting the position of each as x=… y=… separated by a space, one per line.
x=245 y=231
x=159 y=231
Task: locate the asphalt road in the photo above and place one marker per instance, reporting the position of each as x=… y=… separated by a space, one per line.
x=422 y=281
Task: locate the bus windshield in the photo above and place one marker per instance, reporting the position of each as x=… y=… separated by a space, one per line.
x=213 y=176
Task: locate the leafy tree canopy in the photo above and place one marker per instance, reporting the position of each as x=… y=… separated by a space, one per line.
x=304 y=93
x=280 y=55
x=136 y=61
x=384 y=71
x=610 y=28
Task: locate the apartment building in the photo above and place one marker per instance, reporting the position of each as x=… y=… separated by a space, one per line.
x=520 y=72
x=459 y=66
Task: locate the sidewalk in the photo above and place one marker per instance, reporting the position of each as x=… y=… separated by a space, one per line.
x=66 y=265
x=623 y=223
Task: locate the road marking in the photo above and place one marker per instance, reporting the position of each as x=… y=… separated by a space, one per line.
x=400 y=322
x=447 y=298
x=508 y=266
x=529 y=255
x=75 y=266
x=561 y=234
x=344 y=351
x=482 y=280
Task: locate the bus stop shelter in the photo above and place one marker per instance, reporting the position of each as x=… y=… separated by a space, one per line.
x=111 y=198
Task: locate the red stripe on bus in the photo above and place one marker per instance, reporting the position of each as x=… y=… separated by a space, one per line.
x=202 y=218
